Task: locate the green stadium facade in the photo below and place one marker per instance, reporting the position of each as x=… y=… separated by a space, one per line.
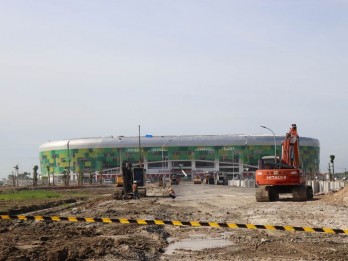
x=161 y=155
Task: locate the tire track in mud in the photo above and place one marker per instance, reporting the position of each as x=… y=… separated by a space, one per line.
x=303 y=250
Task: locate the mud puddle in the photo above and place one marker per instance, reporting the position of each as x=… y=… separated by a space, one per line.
x=196 y=243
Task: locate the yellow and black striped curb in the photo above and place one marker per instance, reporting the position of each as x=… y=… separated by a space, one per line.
x=174 y=223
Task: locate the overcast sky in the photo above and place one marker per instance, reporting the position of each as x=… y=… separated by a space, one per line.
x=71 y=69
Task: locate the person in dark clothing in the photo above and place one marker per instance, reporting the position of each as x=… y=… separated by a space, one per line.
x=135 y=190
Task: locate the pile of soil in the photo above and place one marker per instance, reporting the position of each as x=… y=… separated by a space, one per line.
x=338 y=198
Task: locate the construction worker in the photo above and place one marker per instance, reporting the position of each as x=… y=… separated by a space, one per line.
x=171 y=193
x=135 y=190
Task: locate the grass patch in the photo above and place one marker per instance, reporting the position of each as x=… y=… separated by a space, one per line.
x=29 y=194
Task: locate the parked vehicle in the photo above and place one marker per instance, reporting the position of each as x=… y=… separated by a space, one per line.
x=119 y=180
x=197 y=180
x=108 y=181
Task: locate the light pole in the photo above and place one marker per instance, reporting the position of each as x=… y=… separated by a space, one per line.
x=166 y=162
x=163 y=162
x=120 y=140
x=275 y=145
x=67 y=179
x=246 y=151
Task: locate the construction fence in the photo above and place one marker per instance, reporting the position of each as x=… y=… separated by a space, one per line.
x=319 y=186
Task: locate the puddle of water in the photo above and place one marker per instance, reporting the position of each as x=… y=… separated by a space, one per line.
x=196 y=244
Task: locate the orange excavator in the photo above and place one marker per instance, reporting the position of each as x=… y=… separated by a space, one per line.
x=276 y=176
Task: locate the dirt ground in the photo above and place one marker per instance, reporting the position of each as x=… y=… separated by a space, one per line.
x=40 y=240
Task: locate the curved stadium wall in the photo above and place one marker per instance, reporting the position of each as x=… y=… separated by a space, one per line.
x=193 y=153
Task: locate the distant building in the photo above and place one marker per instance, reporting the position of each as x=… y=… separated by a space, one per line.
x=161 y=155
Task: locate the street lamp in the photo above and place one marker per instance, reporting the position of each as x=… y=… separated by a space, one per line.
x=166 y=162
x=275 y=145
x=163 y=162
x=120 y=140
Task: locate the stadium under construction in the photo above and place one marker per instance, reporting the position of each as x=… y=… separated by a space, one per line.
x=236 y=155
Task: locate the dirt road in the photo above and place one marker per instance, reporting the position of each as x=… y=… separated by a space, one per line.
x=30 y=240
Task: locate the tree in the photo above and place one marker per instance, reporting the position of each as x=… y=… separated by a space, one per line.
x=100 y=172
x=91 y=177
x=65 y=177
x=35 y=169
x=12 y=177
x=332 y=159
x=24 y=177
x=80 y=175
x=48 y=175
x=53 y=177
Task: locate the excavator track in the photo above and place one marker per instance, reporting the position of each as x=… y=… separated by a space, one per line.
x=299 y=193
x=273 y=194
x=261 y=194
x=309 y=193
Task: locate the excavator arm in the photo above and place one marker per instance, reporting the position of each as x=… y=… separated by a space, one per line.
x=290 y=148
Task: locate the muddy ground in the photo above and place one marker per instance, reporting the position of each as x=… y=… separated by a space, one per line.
x=30 y=240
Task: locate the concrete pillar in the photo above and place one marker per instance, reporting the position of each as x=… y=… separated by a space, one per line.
x=193 y=165
x=146 y=164
x=216 y=165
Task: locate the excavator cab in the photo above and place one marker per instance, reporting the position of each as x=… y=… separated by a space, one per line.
x=268 y=162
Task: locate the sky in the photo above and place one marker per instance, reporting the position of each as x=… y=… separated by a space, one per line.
x=73 y=69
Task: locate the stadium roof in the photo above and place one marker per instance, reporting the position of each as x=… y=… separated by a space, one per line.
x=171 y=141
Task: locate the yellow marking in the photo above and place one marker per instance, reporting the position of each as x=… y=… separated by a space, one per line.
x=159 y=222
x=289 y=228
x=270 y=227
x=141 y=222
x=55 y=218
x=124 y=221
x=195 y=224
x=72 y=219
x=328 y=230
x=107 y=220
x=251 y=226
x=232 y=225
x=177 y=223
x=308 y=229
x=213 y=224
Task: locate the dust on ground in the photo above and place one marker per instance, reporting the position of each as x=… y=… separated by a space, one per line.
x=33 y=240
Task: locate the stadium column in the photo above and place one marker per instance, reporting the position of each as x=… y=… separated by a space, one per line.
x=216 y=165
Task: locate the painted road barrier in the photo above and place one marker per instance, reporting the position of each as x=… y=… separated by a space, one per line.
x=174 y=223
